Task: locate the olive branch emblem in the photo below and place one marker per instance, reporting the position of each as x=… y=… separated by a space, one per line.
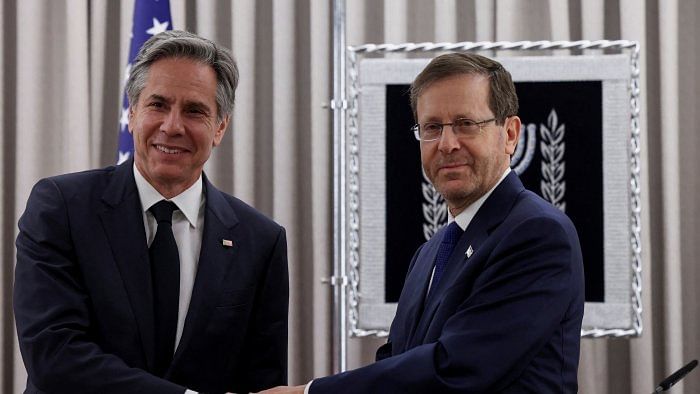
x=553 y=167
x=434 y=209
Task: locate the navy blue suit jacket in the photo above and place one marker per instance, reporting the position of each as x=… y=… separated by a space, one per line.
x=506 y=319
x=83 y=296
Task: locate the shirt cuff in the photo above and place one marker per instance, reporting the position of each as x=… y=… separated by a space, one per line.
x=306 y=388
x=188 y=391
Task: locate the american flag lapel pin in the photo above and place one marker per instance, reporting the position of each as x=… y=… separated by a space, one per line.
x=227 y=243
x=469 y=252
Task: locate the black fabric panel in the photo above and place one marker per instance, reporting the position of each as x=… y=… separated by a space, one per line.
x=404 y=218
x=579 y=107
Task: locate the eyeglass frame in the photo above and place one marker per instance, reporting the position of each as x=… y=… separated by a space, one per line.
x=416 y=128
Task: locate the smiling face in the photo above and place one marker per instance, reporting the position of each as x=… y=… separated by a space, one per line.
x=464 y=168
x=174 y=124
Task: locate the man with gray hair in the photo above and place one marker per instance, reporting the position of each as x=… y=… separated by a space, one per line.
x=144 y=277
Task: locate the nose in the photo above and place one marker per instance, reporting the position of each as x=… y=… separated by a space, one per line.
x=448 y=141
x=172 y=124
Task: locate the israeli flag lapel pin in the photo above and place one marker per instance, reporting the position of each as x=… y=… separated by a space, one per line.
x=227 y=243
x=469 y=251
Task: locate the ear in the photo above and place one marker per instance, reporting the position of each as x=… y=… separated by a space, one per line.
x=512 y=134
x=131 y=120
x=221 y=130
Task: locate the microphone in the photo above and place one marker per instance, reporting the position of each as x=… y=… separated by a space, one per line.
x=675 y=377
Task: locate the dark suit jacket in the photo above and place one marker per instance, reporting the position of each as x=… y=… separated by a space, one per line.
x=83 y=296
x=507 y=319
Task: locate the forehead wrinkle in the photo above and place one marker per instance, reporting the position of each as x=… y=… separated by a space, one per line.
x=182 y=80
x=452 y=97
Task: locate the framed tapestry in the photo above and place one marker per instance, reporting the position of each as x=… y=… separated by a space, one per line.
x=578 y=149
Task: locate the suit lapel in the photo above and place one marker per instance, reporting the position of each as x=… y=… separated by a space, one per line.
x=414 y=293
x=215 y=260
x=494 y=210
x=122 y=220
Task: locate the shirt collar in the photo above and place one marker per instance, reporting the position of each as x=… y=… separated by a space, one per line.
x=465 y=217
x=188 y=201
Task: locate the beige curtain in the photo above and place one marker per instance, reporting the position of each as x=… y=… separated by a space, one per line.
x=62 y=67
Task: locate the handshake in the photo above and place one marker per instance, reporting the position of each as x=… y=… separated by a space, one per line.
x=284 y=390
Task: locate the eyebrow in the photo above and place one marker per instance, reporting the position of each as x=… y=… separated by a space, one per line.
x=158 y=97
x=437 y=119
x=188 y=104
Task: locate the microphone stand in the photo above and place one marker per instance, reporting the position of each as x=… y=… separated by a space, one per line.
x=675 y=377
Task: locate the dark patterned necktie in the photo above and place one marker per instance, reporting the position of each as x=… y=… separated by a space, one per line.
x=449 y=241
x=165 y=270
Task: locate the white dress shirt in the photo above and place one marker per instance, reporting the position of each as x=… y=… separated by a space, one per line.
x=188 y=224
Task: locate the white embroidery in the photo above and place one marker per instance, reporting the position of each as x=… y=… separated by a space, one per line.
x=526 y=144
x=434 y=209
x=553 y=166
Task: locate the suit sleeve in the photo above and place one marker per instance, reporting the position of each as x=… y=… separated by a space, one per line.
x=516 y=305
x=386 y=350
x=52 y=309
x=266 y=345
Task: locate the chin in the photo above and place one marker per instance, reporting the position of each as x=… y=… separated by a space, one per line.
x=456 y=186
x=457 y=191
x=168 y=167
x=169 y=173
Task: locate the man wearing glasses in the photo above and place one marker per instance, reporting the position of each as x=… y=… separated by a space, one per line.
x=494 y=301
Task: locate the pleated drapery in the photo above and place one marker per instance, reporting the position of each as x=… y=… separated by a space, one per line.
x=62 y=71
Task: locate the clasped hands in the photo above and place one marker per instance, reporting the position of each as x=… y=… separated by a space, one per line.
x=284 y=390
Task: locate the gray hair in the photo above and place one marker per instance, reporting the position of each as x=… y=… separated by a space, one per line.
x=183 y=44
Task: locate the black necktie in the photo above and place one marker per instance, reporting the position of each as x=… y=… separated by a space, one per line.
x=165 y=269
x=449 y=241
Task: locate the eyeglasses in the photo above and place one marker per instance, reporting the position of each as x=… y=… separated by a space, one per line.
x=462 y=127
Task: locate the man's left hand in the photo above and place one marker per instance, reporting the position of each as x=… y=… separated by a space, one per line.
x=284 y=390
